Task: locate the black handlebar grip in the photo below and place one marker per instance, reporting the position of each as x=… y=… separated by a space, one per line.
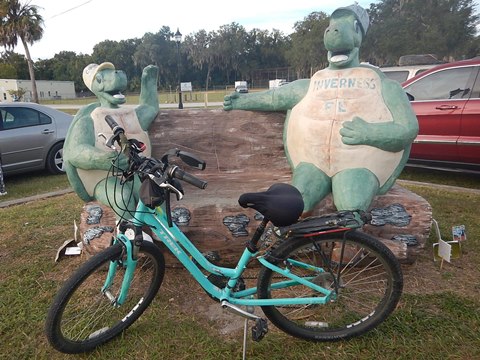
x=113 y=125
x=189 y=178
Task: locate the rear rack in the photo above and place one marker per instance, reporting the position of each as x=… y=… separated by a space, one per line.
x=316 y=224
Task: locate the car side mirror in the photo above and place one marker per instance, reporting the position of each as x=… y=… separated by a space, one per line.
x=410 y=97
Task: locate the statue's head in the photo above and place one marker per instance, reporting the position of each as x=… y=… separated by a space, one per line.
x=106 y=83
x=343 y=37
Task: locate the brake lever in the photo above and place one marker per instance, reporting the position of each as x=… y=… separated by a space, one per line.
x=173 y=189
x=166 y=185
x=108 y=143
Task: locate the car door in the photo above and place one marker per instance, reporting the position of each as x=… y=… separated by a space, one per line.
x=25 y=136
x=469 y=140
x=439 y=99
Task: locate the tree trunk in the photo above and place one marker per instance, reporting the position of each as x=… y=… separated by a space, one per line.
x=31 y=71
x=208 y=78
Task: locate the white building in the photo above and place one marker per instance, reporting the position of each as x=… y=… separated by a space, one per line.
x=47 y=89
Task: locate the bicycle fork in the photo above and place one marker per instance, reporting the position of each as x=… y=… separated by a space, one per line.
x=129 y=263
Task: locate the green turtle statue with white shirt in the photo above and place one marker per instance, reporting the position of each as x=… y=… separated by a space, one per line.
x=348 y=129
x=86 y=157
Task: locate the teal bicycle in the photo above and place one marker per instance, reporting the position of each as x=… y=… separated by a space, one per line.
x=319 y=279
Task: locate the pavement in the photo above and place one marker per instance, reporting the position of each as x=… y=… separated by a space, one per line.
x=438 y=186
x=4 y=204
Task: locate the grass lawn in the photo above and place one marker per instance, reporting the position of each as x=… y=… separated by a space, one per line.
x=164 y=97
x=36 y=183
x=438 y=316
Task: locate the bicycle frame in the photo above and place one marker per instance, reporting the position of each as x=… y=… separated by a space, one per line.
x=184 y=250
x=312 y=261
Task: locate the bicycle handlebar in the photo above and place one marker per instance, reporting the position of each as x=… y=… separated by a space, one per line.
x=118 y=135
x=154 y=166
x=113 y=125
x=181 y=174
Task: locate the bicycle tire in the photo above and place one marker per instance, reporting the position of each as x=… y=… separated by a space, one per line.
x=81 y=317
x=369 y=285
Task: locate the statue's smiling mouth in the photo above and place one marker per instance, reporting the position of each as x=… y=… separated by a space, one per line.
x=339 y=56
x=116 y=94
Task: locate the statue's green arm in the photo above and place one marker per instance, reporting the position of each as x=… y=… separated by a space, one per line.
x=148 y=101
x=279 y=99
x=80 y=150
x=390 y=136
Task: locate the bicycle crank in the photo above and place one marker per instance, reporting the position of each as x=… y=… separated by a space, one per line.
x=238 y=311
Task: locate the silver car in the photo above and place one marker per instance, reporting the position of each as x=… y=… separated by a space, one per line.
x=403 y=73
x=31 y=137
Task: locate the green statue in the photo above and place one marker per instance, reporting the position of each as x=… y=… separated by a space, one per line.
x=87 y=159
x=348 y=129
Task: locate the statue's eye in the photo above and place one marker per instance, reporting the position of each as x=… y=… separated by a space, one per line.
x=356 y=26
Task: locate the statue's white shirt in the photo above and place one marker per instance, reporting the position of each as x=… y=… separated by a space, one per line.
x=313 y=129
x=126 y=118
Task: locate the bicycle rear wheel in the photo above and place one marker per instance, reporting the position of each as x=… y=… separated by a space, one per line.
x=363 y=272
x=81 y=317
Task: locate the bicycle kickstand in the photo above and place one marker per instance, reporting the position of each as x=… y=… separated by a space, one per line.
x=259 y=330
x=245 y=330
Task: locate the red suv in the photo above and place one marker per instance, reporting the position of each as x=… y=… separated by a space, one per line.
x=446 y=100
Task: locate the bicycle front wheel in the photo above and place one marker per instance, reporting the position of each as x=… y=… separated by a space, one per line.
x=82 y=317
x=362 y=272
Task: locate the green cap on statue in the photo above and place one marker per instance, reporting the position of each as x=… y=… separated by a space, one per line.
x=359 y=12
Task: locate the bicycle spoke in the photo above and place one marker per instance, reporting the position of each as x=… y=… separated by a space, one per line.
x=83 y=317
x=357 y=271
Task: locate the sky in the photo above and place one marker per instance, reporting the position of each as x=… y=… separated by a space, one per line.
x=78 y=25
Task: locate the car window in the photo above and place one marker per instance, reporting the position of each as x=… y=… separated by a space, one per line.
x=399 y=76
x=443 y=84
x=419 y=71
x=17 y=117
x=476 y=89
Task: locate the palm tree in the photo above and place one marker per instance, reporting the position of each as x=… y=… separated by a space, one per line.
x=22 y=21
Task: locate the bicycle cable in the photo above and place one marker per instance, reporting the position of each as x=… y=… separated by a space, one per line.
x=121 y=210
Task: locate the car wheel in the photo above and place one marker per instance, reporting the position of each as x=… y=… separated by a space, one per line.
x=55 y=159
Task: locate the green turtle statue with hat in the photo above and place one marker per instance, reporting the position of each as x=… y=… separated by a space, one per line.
x=348 y=129
x=87 y=159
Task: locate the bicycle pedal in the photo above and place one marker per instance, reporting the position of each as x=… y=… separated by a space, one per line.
x=259 y=330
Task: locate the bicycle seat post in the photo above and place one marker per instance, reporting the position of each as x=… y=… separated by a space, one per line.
x=252 y=244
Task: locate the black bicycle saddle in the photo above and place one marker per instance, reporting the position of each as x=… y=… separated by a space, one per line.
x=282 y=204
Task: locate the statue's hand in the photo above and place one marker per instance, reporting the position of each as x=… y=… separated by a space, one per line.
x=356 y=132
x=150 y=71
x=149 y=78
x=229 y=101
